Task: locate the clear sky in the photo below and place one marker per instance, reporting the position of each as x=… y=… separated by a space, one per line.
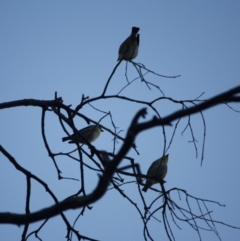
x=71 y=47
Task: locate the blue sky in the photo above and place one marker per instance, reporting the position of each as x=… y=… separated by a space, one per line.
x=71 y=47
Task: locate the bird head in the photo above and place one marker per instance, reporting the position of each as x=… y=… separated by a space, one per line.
x=165 y=159
x=99 y=127
x=135 y=30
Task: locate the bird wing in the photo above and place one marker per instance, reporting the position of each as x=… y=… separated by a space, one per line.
x=153 y=166
x=138 y=39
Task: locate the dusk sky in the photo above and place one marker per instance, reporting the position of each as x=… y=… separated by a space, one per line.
x=71 y=47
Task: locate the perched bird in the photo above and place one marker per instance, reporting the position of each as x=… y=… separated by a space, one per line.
x=128 y=50
x=158 y=170
x=89 y=133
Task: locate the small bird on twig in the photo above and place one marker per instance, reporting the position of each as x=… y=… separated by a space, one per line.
x=128 y=50
x=158 y=170
x=89 y=133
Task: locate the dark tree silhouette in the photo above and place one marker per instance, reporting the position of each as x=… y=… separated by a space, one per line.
x=107 y=164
